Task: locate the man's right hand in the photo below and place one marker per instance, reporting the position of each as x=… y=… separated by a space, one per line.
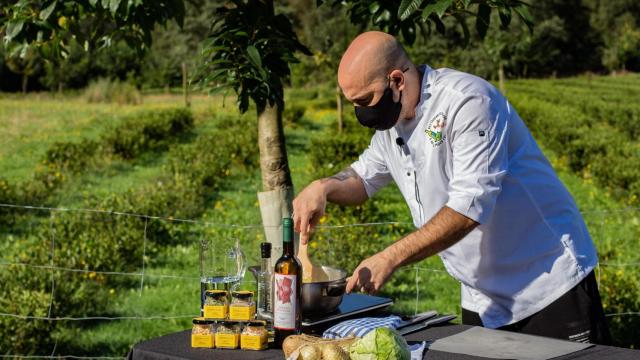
x=308 y=208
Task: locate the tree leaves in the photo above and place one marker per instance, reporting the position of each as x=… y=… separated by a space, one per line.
x=407 y=16
x=46 y=12
x=14 y=27
x=95 y=22
x=113 y=6
x=438 y=7
x=254 y=56
x=407 y=8
x=249 y=49
x=483 y=19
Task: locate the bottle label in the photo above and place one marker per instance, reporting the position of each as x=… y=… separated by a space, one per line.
x=284 y=310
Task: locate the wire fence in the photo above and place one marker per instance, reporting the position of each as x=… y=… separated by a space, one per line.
x=143 y=274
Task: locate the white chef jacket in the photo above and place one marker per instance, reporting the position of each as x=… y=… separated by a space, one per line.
x=468 y=149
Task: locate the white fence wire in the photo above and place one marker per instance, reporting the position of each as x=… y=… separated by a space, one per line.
x=418 y=270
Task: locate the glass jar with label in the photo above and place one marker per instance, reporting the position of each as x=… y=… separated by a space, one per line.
x=203 y=333
x=254 y=336
x=228 y=335
x=216 y=304
x=242 y=307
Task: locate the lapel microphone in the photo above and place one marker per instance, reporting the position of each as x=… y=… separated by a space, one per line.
x=401 y=144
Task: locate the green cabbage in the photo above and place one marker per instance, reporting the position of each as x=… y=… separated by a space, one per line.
x=380 y=344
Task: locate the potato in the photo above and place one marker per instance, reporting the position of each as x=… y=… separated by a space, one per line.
x=309 y=352
x=291 y=343
x=333 y=352
x=296 y=342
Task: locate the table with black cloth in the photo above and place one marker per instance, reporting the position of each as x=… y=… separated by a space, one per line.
x=178 y=346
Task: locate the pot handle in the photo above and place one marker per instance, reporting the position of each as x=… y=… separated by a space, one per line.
x=337 y=288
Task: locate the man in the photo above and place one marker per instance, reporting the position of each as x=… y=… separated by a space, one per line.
x=480 y=191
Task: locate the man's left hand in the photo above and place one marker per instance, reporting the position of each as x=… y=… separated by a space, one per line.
x=371 y=274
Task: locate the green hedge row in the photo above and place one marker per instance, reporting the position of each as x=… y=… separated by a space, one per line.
x=617 y=107
x=136 y=134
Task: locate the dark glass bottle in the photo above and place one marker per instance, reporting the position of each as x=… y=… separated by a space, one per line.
x=287 y=309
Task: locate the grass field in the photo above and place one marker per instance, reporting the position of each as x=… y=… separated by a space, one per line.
x=30 y=125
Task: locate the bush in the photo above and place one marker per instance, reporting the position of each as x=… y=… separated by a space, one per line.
x=70 y=155
x=620 y=292
x=293 y=114
x=146 y=131
x=112 y=91
x=330 y=153
x=7 y=196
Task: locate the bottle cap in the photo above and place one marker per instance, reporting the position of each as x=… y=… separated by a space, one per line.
x=287 y=230
x=265 y=250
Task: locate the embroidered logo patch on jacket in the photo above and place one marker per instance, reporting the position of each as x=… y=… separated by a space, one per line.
x=435 y=127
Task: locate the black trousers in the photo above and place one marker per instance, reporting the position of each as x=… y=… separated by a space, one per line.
x=577 y=315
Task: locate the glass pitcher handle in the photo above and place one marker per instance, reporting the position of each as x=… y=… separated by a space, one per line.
x=241 y=262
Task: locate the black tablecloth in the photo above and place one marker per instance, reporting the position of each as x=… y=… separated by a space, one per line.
x=178 y=346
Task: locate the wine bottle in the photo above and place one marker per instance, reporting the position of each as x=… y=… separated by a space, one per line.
x=287 y=309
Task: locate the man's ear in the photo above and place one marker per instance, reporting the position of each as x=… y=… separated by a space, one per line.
x=397 y=78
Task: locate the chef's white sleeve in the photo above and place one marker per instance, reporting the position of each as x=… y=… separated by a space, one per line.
x=479 y=141
x=372 y=168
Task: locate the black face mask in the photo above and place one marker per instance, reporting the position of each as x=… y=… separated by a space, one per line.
x=383 y=115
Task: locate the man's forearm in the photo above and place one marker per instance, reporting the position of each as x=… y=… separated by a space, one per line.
x=344 y=188
x=446 y=228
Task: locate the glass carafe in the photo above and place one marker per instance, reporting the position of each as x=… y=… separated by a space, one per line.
x=222 y=266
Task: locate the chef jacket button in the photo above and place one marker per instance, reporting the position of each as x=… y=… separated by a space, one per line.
x=408 y=173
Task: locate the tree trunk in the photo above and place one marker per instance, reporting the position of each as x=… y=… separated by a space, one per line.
x=501 y=79
x=339 y=106
x=273 y=153
x=275 y=200
x=25 y=83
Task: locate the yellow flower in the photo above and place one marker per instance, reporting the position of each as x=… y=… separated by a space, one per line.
x=112 y=291
x=62 y=21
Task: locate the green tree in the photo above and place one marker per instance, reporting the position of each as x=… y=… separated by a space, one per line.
x=27 y=64
x=249 y=49
x=49 y=24
x=623 y=47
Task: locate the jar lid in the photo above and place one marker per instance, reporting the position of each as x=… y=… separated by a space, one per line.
x=243 y=294
x=230 y=323
x=203 y=321
x=257 y=323
x=215 y=293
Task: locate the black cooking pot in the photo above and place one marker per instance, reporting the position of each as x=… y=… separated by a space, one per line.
x=323 y=297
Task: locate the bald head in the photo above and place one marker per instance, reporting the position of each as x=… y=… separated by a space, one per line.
x=368 y=60
x=373 y=62
x=370 y=57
